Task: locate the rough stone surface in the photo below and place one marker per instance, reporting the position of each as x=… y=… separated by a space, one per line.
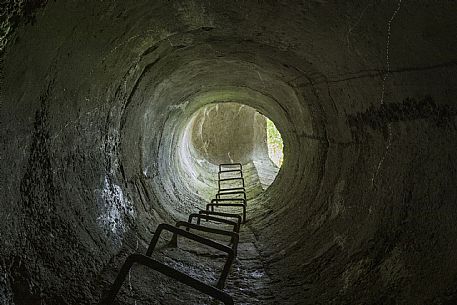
x=95 y=97
x=229 y=132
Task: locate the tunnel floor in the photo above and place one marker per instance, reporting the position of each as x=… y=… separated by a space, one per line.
x=248 y=281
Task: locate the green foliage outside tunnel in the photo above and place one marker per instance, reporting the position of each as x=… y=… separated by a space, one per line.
x=275 y=144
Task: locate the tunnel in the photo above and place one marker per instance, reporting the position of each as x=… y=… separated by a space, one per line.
x=116 y=114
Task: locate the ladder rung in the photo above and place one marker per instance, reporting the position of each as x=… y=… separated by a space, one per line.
x=231 y=189
x=229 y=215
x=230 y=171
x=213 y=205
x=229 y=179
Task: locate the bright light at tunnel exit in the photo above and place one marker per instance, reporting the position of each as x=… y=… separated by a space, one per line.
x=275 y=144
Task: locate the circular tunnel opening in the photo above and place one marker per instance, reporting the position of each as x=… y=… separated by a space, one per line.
x=230 y=132
x=177 y=162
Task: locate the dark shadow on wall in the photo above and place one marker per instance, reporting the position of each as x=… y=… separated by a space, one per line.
x=409 y=109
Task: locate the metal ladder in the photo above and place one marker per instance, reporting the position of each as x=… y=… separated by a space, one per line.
x=227 y=196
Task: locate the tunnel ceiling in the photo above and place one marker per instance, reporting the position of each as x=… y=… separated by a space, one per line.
x=96 y=97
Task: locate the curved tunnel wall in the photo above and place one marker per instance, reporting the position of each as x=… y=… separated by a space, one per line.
x=96 y=96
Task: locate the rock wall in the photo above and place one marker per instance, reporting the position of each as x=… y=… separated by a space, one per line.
x=95 y=96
